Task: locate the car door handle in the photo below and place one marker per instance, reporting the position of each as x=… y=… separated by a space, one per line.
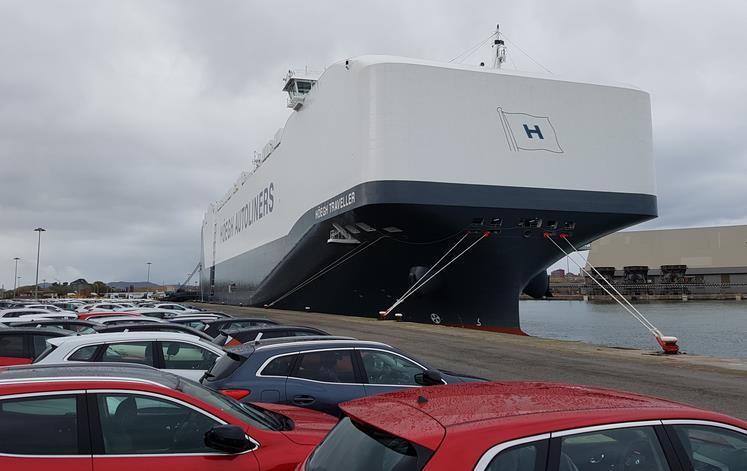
x=303 y=400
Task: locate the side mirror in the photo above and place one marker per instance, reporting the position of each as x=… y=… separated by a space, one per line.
x=228 y=439
x=429 y=378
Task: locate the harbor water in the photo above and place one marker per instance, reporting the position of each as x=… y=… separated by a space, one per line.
x=714 y=328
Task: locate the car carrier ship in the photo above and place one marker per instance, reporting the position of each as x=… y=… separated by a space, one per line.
x=427 y=190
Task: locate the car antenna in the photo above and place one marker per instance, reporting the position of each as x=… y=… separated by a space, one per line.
x=422 y=399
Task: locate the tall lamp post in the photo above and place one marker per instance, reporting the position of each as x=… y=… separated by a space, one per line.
x=38 y=250
x=15 y=278
x=149 y=264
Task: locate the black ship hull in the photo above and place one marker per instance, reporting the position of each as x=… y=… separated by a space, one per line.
x=410 y=226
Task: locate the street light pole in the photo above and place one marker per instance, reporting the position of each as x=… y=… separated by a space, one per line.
x=149 y=264
x=15 y=278
x=38 y=250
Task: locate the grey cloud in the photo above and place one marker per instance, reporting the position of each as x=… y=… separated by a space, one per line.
x=121 y=121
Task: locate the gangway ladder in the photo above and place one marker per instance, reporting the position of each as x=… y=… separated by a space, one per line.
x=667 y=343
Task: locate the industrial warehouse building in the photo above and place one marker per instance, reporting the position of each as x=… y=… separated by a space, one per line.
x=700 y=260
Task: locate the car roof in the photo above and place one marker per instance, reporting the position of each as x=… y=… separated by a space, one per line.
x=137 y=326
x=123 y=336
x=53 y=321
x=81 y=371
x=422 y=415
x=298 y=344
x=37 y=330
x=240 y=319
x=268 y=328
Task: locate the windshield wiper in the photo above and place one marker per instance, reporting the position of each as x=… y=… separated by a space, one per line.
x=276 y=422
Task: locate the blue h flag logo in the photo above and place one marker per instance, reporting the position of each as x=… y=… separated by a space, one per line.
x=529 y=132
x=536 y=131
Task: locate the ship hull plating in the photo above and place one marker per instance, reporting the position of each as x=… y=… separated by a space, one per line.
x=303 y=271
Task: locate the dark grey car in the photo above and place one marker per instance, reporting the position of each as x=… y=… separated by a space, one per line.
x=319 y=373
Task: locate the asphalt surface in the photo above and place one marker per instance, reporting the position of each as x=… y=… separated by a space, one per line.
x=706 y=382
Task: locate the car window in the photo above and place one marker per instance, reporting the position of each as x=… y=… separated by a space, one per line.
x=84 y=354
x=199 y=325
x=39 y=426
x=713 y=448
x=40 y=344
x=526 y=457
x=635 y=448
x=12 y=346
x=353 y=446
x=388 y=368
x=134 y=424
x=185 y=356
x=279 y=366
x=129 y=352
x=331 y=366
x=304 y=333
x=275 y=334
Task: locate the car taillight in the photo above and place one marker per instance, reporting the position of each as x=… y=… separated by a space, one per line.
x=235 y=393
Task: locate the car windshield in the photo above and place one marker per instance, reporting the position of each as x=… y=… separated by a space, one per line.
x=354 y=446
x=248 y=413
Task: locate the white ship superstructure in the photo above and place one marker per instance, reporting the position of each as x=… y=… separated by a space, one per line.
x=385 y=163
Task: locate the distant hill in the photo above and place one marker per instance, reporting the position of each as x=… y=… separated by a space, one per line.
x=135 y=284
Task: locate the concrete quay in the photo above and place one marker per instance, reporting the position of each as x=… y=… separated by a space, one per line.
x=718 y=384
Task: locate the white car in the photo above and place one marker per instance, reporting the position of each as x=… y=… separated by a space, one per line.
x=154 y=312
x=39 y=313
x=101 y=307
x=175 y=307
x=181 y=354
x=47 y=307
x=126 y=319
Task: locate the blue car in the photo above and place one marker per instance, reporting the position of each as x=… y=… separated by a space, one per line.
x=319 y=372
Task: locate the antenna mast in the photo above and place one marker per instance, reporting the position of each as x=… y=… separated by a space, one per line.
x=500 y=49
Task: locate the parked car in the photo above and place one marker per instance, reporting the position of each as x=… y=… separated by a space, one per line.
x=84 y=417
x=117 y=320
x=233 y=337
x=154 y=312
x=93 y=315
x=521 y=426
x=181 y=354
x=154 y=327
x=21 y=345
x=196 y=321
x=318 y=372
x=74 y=325
x=175 y=307
x=106 y=306
x=18 y=312
x=214 y=327
x=47 y=307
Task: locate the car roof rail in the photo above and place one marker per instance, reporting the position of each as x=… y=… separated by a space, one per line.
x=304 y=338
x=270 y=328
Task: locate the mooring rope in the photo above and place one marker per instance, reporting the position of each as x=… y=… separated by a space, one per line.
x=339 y=261
x=423 y=281
x=635 y=313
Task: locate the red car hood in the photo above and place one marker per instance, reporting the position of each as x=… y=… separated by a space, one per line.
x=310 y=426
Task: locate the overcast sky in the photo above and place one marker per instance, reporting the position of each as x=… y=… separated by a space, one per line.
x=121 y=120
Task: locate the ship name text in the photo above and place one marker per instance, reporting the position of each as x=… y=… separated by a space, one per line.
x=258 y=207
x=334 y=205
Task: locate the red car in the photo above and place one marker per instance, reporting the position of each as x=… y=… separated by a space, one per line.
x=114 y=417
x=93 y=315
x=522 y=426
x=21 y=345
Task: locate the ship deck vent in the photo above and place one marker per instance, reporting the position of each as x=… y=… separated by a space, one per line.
x=365 y=227
x=530 y=222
